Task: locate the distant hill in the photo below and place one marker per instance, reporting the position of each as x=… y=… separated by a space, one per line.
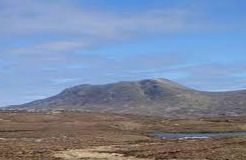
x=158 y=97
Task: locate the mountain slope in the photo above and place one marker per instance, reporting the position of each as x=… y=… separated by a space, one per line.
x=158 y=97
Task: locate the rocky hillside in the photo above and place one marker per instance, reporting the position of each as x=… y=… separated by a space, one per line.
x=159 y=97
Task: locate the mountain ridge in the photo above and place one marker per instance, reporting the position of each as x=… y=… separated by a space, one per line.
x=157 y=97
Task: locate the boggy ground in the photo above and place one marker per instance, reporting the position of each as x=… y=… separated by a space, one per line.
x=105 y=136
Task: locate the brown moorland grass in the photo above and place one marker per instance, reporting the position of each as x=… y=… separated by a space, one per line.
x=57 y=135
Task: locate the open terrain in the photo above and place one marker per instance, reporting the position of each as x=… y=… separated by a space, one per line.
x=97 y=136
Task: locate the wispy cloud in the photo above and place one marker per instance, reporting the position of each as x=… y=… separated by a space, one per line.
x=37 y=16
x=46 y=48
x=214 y=76
x=65 y=80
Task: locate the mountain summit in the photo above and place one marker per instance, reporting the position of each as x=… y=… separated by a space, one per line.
x=159 y=97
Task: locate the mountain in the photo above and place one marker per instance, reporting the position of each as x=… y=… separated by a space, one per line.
x=158 y=97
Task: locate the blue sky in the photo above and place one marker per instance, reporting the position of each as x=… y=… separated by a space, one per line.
x=48 y=45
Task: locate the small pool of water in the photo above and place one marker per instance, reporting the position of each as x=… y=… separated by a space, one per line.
x=197 y=134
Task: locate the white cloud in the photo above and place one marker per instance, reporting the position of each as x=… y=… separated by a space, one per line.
x=65 y=80
x=62 y=45
x=48 y=47
x=37 y=16
x=214 y=76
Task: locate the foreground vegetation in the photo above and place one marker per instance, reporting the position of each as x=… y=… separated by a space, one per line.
x=91 y=136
